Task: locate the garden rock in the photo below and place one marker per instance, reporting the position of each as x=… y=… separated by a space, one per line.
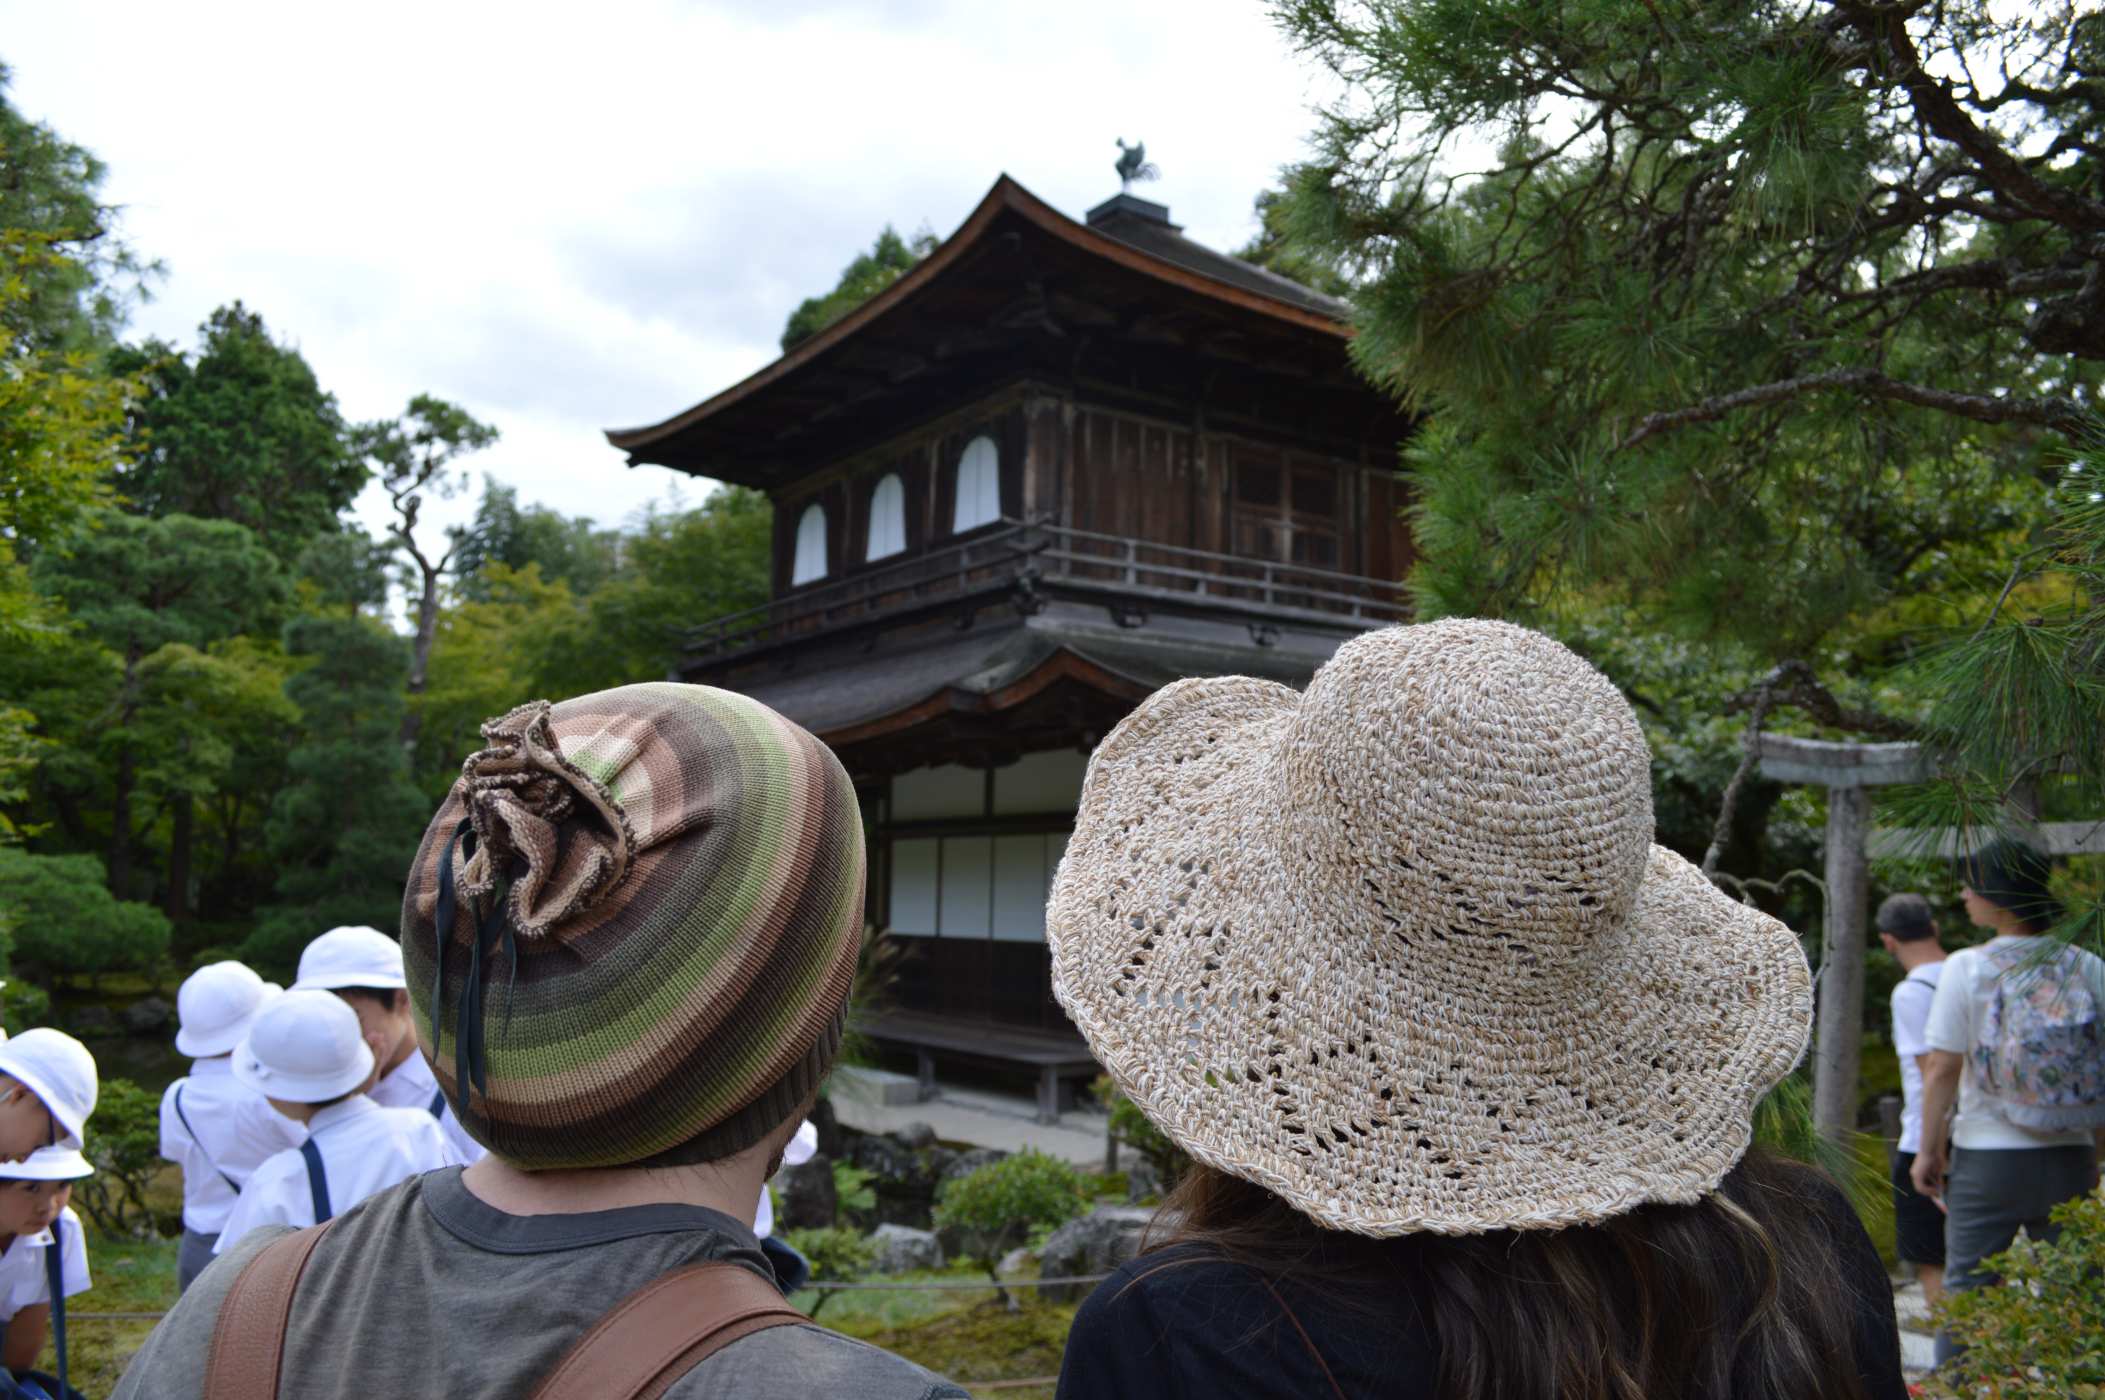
x=832 y=1137
x=890 y=1161
x=1142 y=1181
x=807 y=1195
x=966 y=1163
x=1095 y=1244
x=900 y=1248
x=91 y=1021
x=1016 y=1261
x=148 y=1016
x=917 y=1136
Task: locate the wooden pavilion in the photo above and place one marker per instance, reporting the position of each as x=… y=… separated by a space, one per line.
x=1054 y=467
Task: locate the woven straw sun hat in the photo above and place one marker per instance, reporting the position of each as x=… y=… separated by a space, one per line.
x=1400 y=949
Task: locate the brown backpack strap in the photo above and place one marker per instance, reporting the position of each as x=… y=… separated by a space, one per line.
x=248 y=1340
x=663 y=1330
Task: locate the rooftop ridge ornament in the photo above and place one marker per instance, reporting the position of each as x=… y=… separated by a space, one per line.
x=1133 y=164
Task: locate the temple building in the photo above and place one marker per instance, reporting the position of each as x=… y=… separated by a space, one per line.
x=1054 y=467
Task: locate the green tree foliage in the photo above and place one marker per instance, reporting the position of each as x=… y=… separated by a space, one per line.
x=1753 y=319
x=124 y=1143
x=65 y=919
x=2039 y=1334
x=343 y=826
x=489 y=653
x=242 y=432
x=1137 y=1131
x=1276 y=249
x=890 y=258
x=1003 y=1204
x=836 y=1256
x=566 y=550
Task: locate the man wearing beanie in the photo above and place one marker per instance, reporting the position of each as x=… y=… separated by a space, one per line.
x=2023 y=1139
x=629 y=936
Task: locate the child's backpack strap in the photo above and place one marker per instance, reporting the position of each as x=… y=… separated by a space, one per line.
x=55 y=1281
x=663 y=1330
x=248 y=1341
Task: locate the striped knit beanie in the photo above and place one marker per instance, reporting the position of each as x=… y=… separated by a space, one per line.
x=633 y=925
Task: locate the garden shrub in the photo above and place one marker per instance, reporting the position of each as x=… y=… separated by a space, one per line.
x=1004 y=1204
x=124 y=1144
x=2040 y=1333
x=1133 y=1128
x=835 y=1255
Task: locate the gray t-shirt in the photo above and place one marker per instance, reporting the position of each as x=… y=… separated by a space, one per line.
x=426 y=1290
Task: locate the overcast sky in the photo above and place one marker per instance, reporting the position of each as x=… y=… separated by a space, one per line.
x=573 y=217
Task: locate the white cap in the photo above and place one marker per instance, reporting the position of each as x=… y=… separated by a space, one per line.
x=350 y=957
x=59 y=1070
x=215 y=1005
x=48 y=1164
x=305 y=1047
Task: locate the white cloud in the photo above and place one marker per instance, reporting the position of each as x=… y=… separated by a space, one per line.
x=569 y=218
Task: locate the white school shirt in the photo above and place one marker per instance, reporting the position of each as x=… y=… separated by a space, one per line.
x=1911 y=1014
x=410 y=1085
x=800 y=1149
x=22 y=1281
x=236 y=1130
x=364 y=1148
x=1956 y=1015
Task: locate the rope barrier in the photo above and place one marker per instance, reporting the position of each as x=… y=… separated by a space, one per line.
x=959 y=1285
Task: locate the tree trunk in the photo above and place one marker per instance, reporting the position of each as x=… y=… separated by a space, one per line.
x=420 y=654
x=1838 y=1044
x=121 y=825
x=181 y=838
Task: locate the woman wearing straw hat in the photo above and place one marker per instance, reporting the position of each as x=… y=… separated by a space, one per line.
x=1466 y=1066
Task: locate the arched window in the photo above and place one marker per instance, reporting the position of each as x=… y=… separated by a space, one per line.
x=810 y=563
x=978 y=486
x=887 y=519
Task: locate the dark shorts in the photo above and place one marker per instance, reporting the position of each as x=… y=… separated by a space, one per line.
x=1918 y=1226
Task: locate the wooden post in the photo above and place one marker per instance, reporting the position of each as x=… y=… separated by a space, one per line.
x=1838 y=1038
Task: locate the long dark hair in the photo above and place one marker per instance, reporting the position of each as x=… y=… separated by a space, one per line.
x=1738 y=1295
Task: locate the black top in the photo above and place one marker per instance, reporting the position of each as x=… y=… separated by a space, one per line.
x=1207 y=1328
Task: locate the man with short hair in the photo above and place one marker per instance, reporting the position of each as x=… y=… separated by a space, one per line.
x=630 y=935
x=1909 y=934
x=2004 y=1172
x=364 y=967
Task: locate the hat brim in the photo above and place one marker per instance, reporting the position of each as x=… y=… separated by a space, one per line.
x=1279 y=1030
x=67 y=1164
x=31 y=1077
x=301 y=1088
x=338 y=981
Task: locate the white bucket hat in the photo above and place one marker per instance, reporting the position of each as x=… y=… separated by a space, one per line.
x=59 y=1070
x=1400 y=949
x=350 y=957
x=215 y=1005
x=48 y=1164
x=305 y=1047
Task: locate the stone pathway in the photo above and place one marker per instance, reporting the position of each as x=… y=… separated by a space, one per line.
x=1918 y=1347
x=871 y=1102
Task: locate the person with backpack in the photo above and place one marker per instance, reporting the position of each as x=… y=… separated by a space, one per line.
x=1466 y=1066
x=305 y=1055
x=214 y=1127
x=1908 y=932
x=43 y=1262
x=630 y=935
x=2017 y=1043
x=364 y=967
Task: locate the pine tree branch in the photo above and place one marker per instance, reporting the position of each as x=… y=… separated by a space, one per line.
x=2062 y=415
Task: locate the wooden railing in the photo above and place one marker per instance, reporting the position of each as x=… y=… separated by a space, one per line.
x=1018 y=550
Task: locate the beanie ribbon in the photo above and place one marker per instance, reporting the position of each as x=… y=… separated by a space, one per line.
x=470 y=1047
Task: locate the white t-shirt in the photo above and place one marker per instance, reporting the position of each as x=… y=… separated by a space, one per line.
x=1960 y=1007
x=364 y=1148
x=799 y=1150
x=410 y=1085
x=236 y=1130
x=22 y=1281
x=1911 y=1013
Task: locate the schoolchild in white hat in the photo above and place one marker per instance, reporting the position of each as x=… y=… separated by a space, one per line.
x=43 y=1246
x=364 y=967
x=217 y=1129
x=48 y=1086
x=305 y=1055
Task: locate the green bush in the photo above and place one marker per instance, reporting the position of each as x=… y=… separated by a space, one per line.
x=1133 y=1128
x=836 y=1256
x=124 y=1142
x=1006 y=1203
x=2040 y=1333
x=66 y=920
x=854 y=1196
